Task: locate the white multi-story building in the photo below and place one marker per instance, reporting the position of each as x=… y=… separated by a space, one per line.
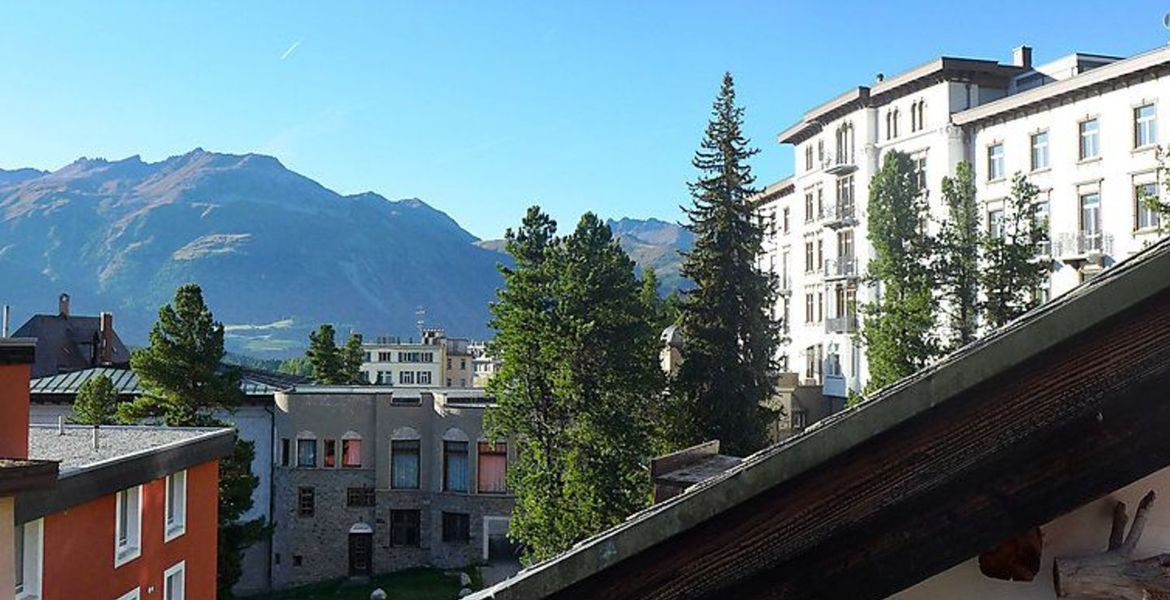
x=1083 y=128
x=404 y=363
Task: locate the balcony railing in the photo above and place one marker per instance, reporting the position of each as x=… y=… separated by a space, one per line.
x=1083 y=245
x=846 y=323
x=841 y=162
x=841 y=268
x=841 y=215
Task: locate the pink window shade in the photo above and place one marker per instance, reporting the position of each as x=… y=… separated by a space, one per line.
x=351 y=453
x=493 y=468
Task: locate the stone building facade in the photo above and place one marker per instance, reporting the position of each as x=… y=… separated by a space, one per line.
x=372 y=480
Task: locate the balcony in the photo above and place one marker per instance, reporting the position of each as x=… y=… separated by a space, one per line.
x=841 y=268
x=833 y=379
x=840 y=215
x=840 y=163
x=1084 y=247
x=784 y=286
x=846 y=323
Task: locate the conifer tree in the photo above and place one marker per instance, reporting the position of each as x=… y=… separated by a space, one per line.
x=185 y=384
x=327 y=362
x=957 y=260
x=898 y=328
x=730 y=339
x=663 y=311
x=578 y=385
x=97 y=402
x=353 y=358
x=1011 y=272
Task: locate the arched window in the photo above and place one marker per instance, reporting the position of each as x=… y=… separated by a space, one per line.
x=456 y=474
x=921 y=114
x=404 y=459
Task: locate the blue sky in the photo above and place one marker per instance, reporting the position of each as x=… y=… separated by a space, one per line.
x=483 y=108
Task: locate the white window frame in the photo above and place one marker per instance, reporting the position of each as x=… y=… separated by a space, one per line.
x=1084 y=134
x=133 y=547
x=134 y=594
x=1039 y=150
x=1139 y=122
x=176 y=526
x=995 y=161
x=34 y=560
x=181 y=569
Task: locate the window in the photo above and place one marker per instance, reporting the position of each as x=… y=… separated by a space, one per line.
x=920 y=172
x=845 y=244
x=1041 y=215
x=404 y=528
x=808 y=158
x=448 y=363
x=455 y=466
x=134 y=594
x=1039 y=150
x=406 y=377
x=298 y=560
x=845 y=197
x=456 y=527
x=820 y=254
x=28 y=553
x=1091 y=220
x=1090 y=139
x=359 y=497
x=493 y=468
x=404 y=464
x=1145 y=131
x=995 y=223
x=127 y=525
x=330 y=453
x=306 y=452
x=174 y=582
x=463 y=382
x=808 y=307
x=785 y=219
x=798 y=419
x=284 y=452
x=424 y=377
x=306 y=501
x=820 y=306
x=821 y=151
x=994 y=162
x=1146 y=217
x=351 y=453
x=385 y=356
x=176 y=505
x=808 y=207
x=809 y=257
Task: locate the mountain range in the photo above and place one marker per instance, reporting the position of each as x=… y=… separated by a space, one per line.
x=275 y=252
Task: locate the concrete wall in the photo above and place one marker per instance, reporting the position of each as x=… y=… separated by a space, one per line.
x=1081 y=532
x=7 y=548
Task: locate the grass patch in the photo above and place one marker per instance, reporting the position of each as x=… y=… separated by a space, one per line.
x=412 y=584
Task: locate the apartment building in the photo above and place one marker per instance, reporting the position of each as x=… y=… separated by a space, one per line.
x=1083 y=128
x=432 y=361
x=373 y=479
x=129 y=514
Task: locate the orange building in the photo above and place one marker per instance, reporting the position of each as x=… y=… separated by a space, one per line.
x=132 y=515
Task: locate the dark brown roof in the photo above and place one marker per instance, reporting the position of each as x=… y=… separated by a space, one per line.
x=68 y=343
x=1056 y=409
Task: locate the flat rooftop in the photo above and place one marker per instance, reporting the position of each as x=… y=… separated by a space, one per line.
x=74 y=448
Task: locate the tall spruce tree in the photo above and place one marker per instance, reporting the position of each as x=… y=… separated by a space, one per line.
x=957 y=258
x=185 y=384
x=730 y=339
x=352 y=358
x=328 y=363
x=898 y=328
x=1012 y=272
x=578 y=386
x=663 y=311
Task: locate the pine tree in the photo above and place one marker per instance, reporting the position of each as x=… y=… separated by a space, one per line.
x=185 y=384
x=898 y=328
x=323 y=355
x=957 y=260
x=97 y=402
x=527 y=411
x=730 y=340
x=1011 y=272
x=352 y=359
x=663 y=311
x=580 y=403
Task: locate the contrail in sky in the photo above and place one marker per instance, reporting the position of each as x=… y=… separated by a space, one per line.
x=291 y=49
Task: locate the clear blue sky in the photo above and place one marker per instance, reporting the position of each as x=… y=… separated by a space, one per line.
x=483 y=108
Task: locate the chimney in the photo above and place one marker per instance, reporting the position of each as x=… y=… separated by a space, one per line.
x=107 y=339
x=63 y=305
x=1022 y=57
x=4 y=322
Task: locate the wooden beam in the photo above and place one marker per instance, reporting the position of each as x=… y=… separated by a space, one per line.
x=1055 y=432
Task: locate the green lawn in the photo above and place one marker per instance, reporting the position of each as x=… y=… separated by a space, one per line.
x=413 y=584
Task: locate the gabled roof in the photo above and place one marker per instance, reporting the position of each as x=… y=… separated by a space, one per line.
x=1044 y=415
x=68 y=343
